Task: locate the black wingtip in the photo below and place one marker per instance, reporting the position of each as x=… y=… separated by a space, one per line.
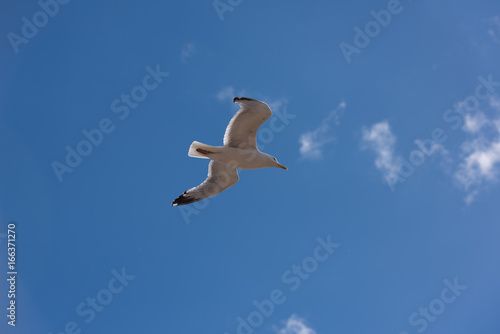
x=236 y=99
x=183 y=200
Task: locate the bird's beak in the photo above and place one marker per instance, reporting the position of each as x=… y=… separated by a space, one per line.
x=281 y=166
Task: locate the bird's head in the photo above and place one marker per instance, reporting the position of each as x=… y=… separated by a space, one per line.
x=273 y=162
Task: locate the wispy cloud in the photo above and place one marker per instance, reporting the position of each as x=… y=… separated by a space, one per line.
x=435 y=148
x=471 y=197
x=225 y=93
x=276 y=104
x=380 y=140
x=494 y=30
x=188 y=50
x=295 y=325
x=495 y=102
x=480 y=164
x=312 y=142
x=474 y=123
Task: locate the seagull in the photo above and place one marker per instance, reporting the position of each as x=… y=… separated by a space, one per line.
x=239 y=152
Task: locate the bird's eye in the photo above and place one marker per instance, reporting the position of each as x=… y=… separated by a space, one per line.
x=275 y=159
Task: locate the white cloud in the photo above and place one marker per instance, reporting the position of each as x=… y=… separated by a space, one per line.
x=471 y=197
x=434 y=147
x=312 y=142
x=474 y=123
x=480 y=164
x=494 y=31
x=296 y=325
x=188 y=50
x=225 y=93
x=380 y=139
x=495 y=102
x=276 y=104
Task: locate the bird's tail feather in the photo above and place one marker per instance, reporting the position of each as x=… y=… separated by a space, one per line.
x=200 y=150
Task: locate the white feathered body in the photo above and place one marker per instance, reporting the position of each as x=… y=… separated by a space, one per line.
x=237 y=157
x=239 y=152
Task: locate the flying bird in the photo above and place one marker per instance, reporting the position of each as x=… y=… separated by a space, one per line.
x=239 y=152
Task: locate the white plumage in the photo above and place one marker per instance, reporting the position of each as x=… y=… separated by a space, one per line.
x=239 y=152
x=242 y=129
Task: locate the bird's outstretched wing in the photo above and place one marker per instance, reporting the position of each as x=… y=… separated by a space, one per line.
x=220 y=177
x=243 y=127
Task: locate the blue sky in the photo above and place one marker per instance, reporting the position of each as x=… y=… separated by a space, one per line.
x=385 y=222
